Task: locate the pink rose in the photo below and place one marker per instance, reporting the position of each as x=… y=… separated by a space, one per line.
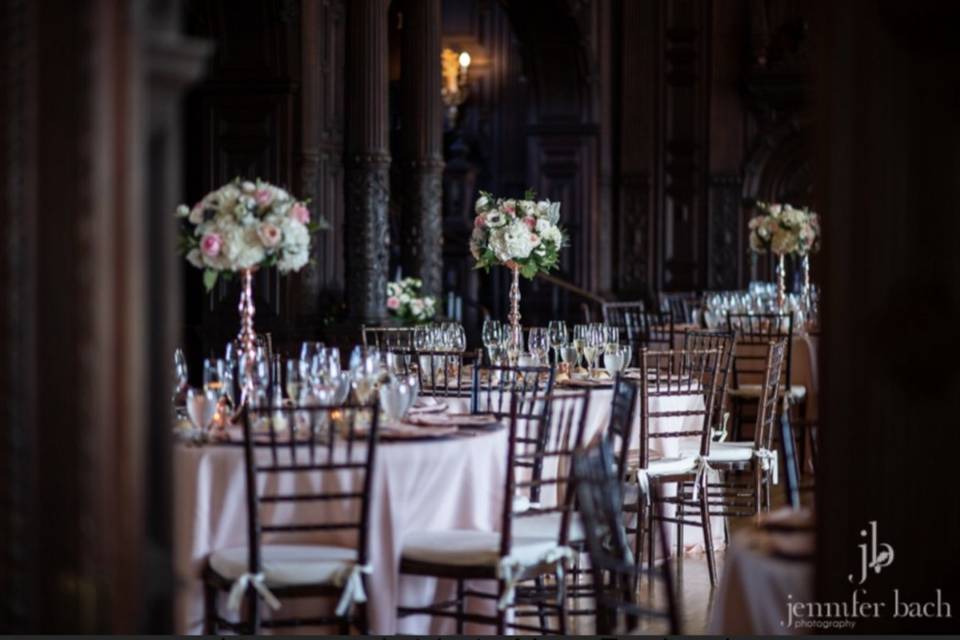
x=210 y=245
x=531 y=223
x=393 y=302
x=509 y=208
x=478 y=221
x=300 y=213
x=263 y=197
x=269 y=234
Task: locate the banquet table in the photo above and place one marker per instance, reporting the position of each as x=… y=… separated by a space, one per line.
x=419 y=485
x=764 y=571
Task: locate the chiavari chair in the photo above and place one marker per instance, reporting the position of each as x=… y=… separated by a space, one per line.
x=280 y=461
x=754 y=333
x=621 y=314
x=670 y=375
x=730 y=497
x=494 y=386
x=545 y=441
x=681 y=304
x=444 y=373
x=617 y=437
x=387 y=338
x=615 y=572
x=724 y=341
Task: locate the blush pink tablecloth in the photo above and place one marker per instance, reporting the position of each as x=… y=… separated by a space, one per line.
x=422 y=485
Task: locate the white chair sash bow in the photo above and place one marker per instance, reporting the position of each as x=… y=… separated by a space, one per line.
x=258 y=582
x=352 y=582
x=768 y=462
x=703 y=468
x=511 y=568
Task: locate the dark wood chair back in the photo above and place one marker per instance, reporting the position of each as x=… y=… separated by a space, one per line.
x=673 y=374
x=494 y=387
x=600 y=503
x=754 y=333
x=442 y=373
x=723 y=341
x=623 y=407
x=540 y=458
x=285 y=465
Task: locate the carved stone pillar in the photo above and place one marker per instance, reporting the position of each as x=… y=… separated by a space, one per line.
x=367 y=159
x=421 y=144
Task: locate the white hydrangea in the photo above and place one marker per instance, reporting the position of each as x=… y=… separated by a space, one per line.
x=512 y=242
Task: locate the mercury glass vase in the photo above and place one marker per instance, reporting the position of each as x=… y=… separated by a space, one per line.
x=781 y=271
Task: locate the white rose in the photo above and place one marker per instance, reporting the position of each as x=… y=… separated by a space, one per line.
x=183 y=211
x=527 y=207
x=552 y=234
x=512 y=242
x=248 y=187
x=482 y=203
x=295 y=234
x=196 y=214
x=543 y=208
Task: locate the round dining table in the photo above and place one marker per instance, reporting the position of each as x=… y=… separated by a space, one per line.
x=419 y=485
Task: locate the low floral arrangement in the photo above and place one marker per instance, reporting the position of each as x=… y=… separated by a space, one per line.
x=405 y=302
x=522 y=233
x=784 y=230
x=244 y=225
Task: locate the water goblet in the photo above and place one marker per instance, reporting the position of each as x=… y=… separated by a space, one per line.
x=201 y=407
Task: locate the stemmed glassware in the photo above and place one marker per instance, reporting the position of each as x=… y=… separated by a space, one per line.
x=180 y=377
x=538 y=343
x=579 y=340
x=201 y=407
x=592 y=344
x=492 y=332
x=557 y=332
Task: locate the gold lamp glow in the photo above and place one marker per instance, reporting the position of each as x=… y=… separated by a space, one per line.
x=455 y=90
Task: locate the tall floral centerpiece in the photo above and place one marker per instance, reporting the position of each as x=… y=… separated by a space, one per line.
x=785 y=230
x=240 y=227
x=405 y=302
x=522 y=235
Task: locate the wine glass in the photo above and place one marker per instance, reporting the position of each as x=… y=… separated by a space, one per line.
x=579 y=340
x=557 y=331
x=294 y=380
x=592 y=341
x=212 y=369
x=201 y=407
x=309 y=349
x=539 y=344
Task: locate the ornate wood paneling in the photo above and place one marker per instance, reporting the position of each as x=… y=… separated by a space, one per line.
x=725 y=245
x=682 y=142
x=634 y=234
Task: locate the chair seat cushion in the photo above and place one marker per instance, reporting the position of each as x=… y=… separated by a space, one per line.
x=794 y=391
x=547 y=526
x=288 y=565
x=471 y=548
x=730 y=452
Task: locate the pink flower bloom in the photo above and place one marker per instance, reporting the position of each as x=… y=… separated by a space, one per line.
x=531 y=222
x=269 y=234
x=393 y=302
x=509 y=208
x=300 y=213
x=479 y=220
x=210 y=245
x=263 y=197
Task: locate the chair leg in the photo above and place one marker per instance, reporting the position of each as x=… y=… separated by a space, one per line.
x=541 y=612
x=253 y=610
x=460 y=606
x=680 y=514
x=757 y=501
x=209 y=609
x=707 y=531
x=651 y=553
x=638 y=544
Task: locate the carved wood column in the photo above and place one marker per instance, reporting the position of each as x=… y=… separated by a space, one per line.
x=421 y=144
x=367 y=159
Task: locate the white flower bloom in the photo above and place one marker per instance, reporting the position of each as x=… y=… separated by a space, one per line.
x=195 y=258
x=293 y=260
x=196 y=215
x=512 y=242
x=183 y=211
x=482 y=204
x=248 y=187
x=495 y=219
x=543 y=208
x=527 y=207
